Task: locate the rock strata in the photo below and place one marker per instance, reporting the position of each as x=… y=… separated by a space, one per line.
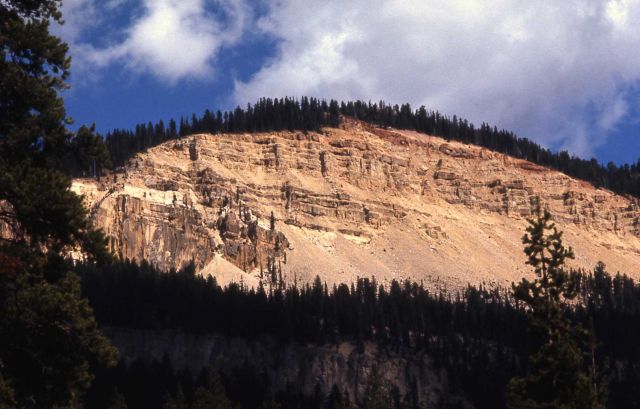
x=349 y=202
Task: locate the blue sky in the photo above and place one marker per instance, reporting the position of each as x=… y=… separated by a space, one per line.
x=566 y=74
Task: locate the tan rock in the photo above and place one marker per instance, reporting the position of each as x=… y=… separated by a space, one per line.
x=349 y=202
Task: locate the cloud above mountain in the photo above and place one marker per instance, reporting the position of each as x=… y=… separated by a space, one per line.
x=170 y=39
x=564 y=73
x=560 y=72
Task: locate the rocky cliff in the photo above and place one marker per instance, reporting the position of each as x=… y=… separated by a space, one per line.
x=348 y=202
x=292 y=367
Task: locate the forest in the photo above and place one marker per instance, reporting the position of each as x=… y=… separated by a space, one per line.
x=565 y=339
x=311 y=114
x=479 y=335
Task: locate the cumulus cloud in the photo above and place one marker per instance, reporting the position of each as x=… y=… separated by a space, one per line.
x=555 y=71
x=77 y=15
x=171 y=39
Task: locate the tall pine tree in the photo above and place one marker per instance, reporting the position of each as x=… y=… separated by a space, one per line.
x=211 y=394
x=558 y=376
x=49 y=339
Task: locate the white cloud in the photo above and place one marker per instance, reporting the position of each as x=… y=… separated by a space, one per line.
x=555 y=71
x=77 y=16
x=171 y=39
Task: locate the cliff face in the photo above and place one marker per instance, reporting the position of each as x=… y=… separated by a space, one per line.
x=355 y=201
x=292 y=367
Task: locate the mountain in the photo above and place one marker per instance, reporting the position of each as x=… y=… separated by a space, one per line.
x=352 y=201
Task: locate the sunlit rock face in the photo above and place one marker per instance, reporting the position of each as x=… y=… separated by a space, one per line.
x=350 y=202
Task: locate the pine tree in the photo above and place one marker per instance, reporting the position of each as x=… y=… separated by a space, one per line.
x=270 y=401
x=376 y=394
x=118 y=401
x=557 y=375
x=90 y=154
x=211 y=394
x=38 y=206
x=338 y=400
x=7 y=394
x=175 y=402
x=49 y=339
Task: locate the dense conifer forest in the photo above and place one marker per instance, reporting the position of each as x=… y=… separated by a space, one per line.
x=479 y=335
x=311 y=114
x=487 y=341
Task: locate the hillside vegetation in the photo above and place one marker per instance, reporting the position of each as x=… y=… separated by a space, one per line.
x=311 y=114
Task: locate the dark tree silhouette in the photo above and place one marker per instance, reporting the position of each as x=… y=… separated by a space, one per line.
x=49 y=340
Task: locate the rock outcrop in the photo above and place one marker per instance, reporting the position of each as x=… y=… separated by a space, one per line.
x=291 y=367
x=355 y=201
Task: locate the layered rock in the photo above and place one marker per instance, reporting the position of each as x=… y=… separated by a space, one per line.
x=302 y=369
x=350 y=202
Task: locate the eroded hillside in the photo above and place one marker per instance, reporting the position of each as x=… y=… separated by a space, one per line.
x=355 y=201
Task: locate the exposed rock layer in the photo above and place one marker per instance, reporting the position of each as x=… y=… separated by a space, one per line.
x=350 y=202
x=292 y=367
